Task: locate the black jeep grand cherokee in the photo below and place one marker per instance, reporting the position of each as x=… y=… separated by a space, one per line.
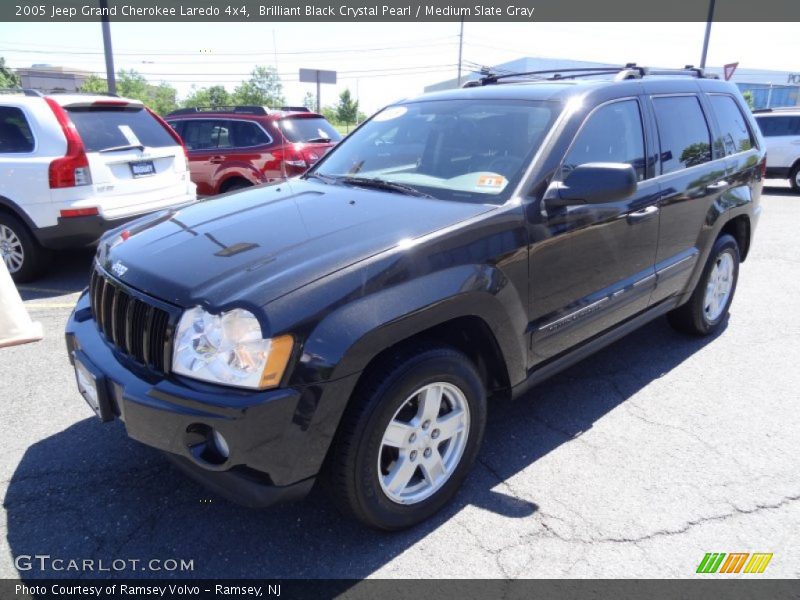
x=351 y=324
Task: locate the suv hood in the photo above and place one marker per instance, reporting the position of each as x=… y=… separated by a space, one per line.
x=254 y=246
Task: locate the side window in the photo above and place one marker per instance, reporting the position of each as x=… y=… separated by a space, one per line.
x=221 y=134
x=778 y=126
x=199 y=135
x=244 y=134
x=735 y=132
x=683 y=132
x=613 y=133
x=15 y=134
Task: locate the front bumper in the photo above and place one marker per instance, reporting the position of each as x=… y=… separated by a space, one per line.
x=278 y=438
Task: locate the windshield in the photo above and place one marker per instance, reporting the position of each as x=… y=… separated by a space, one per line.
x=474 y=150
x=308 y=129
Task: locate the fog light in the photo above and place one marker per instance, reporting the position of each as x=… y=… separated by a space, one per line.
x=221 y=444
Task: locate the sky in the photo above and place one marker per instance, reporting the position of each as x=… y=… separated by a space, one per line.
x=382 y=62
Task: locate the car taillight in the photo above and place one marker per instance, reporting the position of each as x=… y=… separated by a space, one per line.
x=72 y=169
x=69 y=213
x=292 y=161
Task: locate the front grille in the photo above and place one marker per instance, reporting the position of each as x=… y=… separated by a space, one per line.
x=135 y=327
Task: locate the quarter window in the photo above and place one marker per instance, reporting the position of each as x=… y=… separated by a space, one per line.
x=683 y=132
x=244 y=134
x=736 y=135
x=15 y=134
x=613 y=133
x=778 y=126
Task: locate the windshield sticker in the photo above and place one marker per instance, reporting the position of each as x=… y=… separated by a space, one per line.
x=131 y=138
x=390 y=113
x=491 y=181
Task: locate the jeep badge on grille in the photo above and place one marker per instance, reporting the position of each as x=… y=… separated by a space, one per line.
x=119 y=269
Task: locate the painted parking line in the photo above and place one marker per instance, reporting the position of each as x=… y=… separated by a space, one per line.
x=26 y=288
x=45 y=305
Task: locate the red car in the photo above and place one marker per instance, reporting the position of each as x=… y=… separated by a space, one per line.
x=239 y=146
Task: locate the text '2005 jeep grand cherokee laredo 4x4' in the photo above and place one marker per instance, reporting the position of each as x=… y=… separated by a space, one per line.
x=349 y=325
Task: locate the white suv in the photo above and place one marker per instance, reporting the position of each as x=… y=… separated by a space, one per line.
x=781 y=129
x=73 y=166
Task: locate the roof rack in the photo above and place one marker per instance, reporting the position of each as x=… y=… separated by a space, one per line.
x=629 y=71
x=295 y=109
x=250 y=110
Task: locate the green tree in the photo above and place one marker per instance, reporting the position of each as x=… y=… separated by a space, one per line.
x=347 y=109
x=748 y=97
x=8 y=79
x=310 y=101
x=94 y=85
x=130 y=84
x=213 y=96
x=264 y=88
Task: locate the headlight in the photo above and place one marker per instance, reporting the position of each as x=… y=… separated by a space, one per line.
x=229 y=349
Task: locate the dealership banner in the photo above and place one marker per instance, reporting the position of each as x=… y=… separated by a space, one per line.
x=391 y=589
x=395 y=10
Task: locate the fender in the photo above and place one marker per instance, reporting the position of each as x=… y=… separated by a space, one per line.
x=16 y=210
x=736 y=202
x=346 y=340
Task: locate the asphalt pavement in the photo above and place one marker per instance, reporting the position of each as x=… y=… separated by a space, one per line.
x=634 y=463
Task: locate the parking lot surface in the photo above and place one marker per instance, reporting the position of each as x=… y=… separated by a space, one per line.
x=633 y=463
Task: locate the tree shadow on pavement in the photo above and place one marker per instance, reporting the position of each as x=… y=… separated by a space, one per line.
x=90 y=492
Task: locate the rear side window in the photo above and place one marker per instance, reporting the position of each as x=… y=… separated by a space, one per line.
x=204 y=134
x=613 y=133
x=311 y=130
x=15 y=134
x=736 y=135
x=104 y=127
x=683 y=132
x=778 y=126
x=244 y=134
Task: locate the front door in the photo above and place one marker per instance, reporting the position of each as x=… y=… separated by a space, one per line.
x=592 y=266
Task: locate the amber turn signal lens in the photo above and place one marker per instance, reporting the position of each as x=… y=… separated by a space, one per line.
x=279 y=353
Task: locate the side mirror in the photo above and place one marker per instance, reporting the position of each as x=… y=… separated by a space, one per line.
x=595 y=183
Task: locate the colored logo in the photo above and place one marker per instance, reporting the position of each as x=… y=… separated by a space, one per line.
x=735 y=562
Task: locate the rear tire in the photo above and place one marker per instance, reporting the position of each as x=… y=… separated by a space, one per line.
x=397 y=459
x=794 y=178
x=708 y=306
x=25 y=259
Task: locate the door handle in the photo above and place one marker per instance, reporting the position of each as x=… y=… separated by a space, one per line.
x=643 y=215
x=215 y=160
x=718 y=186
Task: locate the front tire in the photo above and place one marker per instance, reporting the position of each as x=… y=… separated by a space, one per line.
x=25 y=259
x=708 y=306
x=409 y=438
x=794 y=178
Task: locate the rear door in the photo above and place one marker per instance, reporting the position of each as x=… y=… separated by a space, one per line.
x=694 y=174
x=201 y=137
x=132 y=157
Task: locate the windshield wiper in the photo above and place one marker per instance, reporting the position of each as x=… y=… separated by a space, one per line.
x=383 y=184
x=318 y=140
x=120 y=148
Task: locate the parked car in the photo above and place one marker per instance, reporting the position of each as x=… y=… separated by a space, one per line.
x=77 y=165
x=781 y=129
x=353 y=325
x=239 y=146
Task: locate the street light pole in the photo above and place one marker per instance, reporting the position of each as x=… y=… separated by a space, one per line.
x=708 y=33
x=112 y=82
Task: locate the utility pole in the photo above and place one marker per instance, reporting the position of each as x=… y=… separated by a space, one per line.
x=460 y=50
x=708 y=33
x=110 y=77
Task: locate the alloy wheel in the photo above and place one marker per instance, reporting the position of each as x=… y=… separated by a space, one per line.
x=11 y=249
